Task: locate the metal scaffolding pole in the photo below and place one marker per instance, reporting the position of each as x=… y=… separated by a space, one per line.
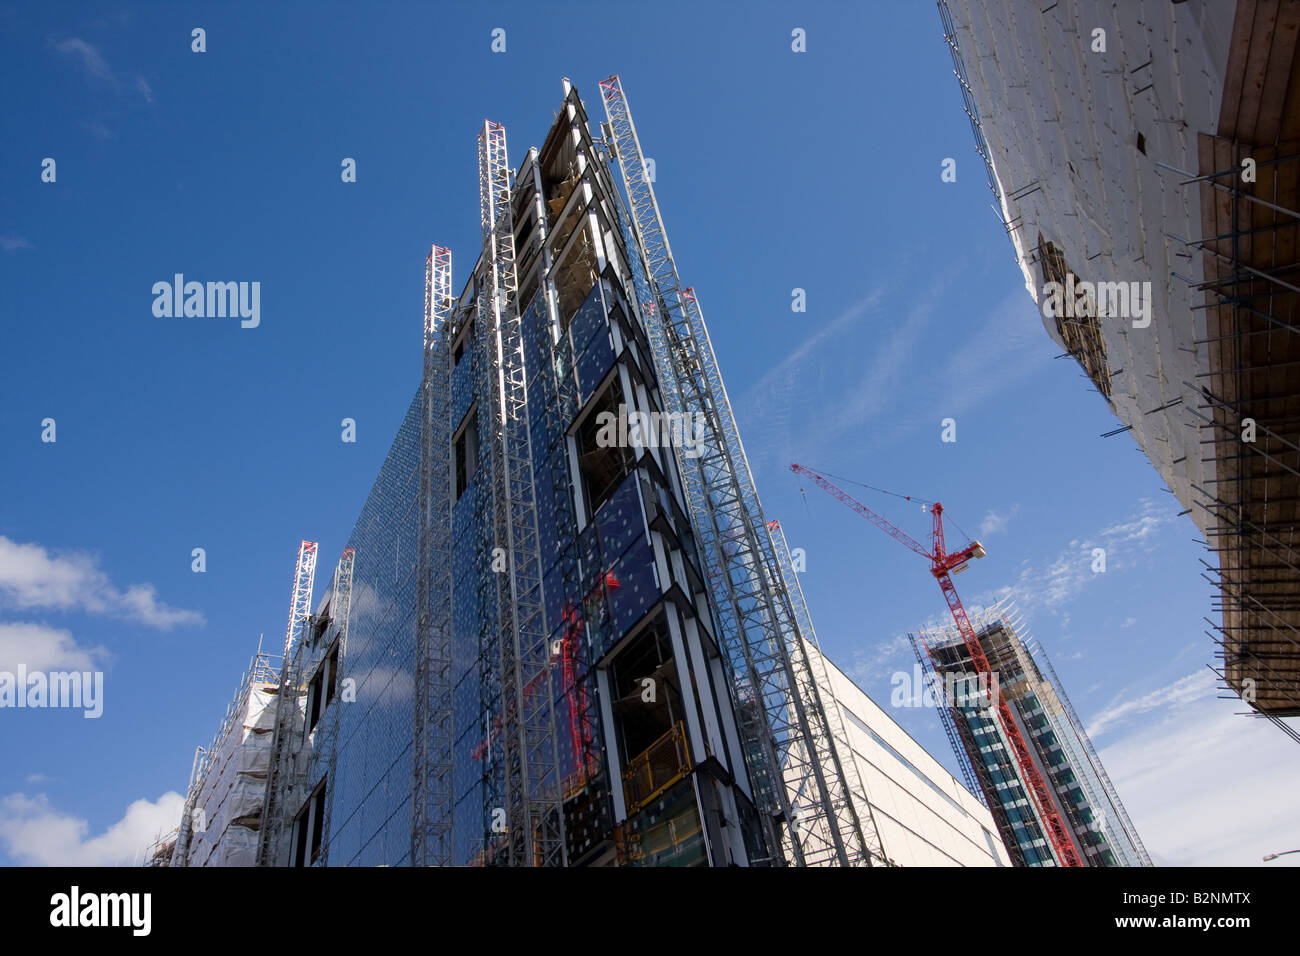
x=531 y=800
x=758 y=629
x=340 y=609
x=846 y=764
x=284 y=765
x=432 y=799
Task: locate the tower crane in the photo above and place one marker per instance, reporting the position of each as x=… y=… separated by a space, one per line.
x=943 y=565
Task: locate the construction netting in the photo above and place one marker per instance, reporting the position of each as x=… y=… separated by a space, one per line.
x=228 y=810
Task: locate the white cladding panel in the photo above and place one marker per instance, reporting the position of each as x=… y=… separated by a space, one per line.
x=924 y=815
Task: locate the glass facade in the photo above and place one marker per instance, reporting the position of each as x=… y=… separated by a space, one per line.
x=1056 y=746
x=646 y=747
x=370 y=818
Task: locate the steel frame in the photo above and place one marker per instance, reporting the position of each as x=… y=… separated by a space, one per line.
x=432 y=756
x=531 y=796
x=340 y=610
x=826 y=692
x=283 y=773
x=757 y=625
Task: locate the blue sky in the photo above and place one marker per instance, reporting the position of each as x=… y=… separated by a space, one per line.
x=775 y=171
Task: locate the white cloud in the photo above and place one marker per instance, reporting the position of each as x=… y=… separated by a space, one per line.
x=10 y=243
x=1195 y=686
x=880 y=660
x=36 y=834
x=879 y=382
x=994 y=522
x=1003 y=341
x=41 y=648
x=1050 y=587
x=31 y=577
x=87 y=55
x=1204 y=785
x=92 y=61
x=791 y=392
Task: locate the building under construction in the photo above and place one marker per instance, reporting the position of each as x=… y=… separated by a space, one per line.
x=1096 y=826
x=226 y=796
x=562 y=632
x=1145 y=156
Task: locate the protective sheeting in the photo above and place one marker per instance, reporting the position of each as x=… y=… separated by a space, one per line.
x=228 y=809
x=1091 y=111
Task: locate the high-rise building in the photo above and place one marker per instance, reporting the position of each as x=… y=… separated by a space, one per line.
x=559 y=633
x=1145 y=158
x=1081 y=793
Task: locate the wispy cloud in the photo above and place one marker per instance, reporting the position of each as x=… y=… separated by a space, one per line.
x=1050 y=586
x=878 y=383
x=95 y=65
x=32 y=577
x=1195 y=686
x=791 y=392
x=10 y=243
x=35 y=833
x=879 y=660
x=850 y=388
x=88 y=56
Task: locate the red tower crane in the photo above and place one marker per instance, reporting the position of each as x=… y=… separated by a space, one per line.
x=943 y=565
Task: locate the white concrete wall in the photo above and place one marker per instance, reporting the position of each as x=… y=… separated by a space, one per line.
x=1057 y=114
x=934 y=823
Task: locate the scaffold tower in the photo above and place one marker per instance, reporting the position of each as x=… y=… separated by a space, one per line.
x=769 y=666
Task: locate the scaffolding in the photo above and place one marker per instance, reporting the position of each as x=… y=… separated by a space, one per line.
x=1248 y=407
x=946 y=717
x=826 y=693
x=179 y=853
x=526 y=786
x=223 y=803
x=1113 y=802
x=769 y=665
x=285 y=765
x=1029 y=684
x=340 y=610
x=968 y=99
x=432 y=800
